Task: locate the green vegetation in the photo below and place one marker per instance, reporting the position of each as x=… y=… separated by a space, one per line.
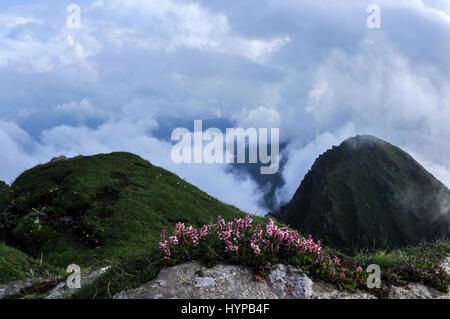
x=93 y=210
x=367 y=193
x=15 y=265
x=413 y=264
x=110 y=209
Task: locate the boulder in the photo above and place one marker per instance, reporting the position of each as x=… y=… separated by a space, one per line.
x=193 y=280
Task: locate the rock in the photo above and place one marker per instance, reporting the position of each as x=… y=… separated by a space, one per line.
x=58 y=159
x=325 y=290
x=290 y=283
x=194 y=281
x=415 y=290
x=62 y=291
x=446 y=265
x=23 y=287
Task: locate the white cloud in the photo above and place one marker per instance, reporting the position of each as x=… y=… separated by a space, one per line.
x=310 y=67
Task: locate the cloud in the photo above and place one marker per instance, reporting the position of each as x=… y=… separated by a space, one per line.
x=311 y=68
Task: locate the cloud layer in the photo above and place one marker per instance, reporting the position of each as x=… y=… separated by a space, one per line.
x=311 y=68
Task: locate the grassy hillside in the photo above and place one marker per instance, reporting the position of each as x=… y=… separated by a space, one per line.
x=15 y=265
x=90 y=210
x=367 y=193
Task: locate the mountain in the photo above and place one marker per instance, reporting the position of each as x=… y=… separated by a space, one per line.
x=367 y=193
x=89 y=209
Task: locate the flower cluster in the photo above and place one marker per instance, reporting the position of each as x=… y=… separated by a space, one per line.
x=165 y=250
x=184 y=236
x=241 y=241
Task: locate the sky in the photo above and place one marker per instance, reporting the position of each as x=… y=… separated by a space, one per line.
x=136 y=69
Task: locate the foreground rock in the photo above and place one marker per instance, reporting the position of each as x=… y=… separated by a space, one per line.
x=193 y=280
x=61 y=291
x=48 y=288
x=28 y=286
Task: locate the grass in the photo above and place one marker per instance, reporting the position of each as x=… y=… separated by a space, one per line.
x=16 y=265
x=93 y=210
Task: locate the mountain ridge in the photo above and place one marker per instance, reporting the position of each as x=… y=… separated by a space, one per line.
x=368 y=193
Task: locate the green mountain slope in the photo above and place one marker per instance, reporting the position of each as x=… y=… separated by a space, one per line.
x=15 y=265
x=91 y=209
x=367 y=193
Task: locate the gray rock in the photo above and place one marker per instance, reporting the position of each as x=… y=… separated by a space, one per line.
x=290 y=283
x=20 y=288
x=325 y=290
x=415 y=290
x=194 y=281
x=446 y=265
x=58 y=159
x=61 y=291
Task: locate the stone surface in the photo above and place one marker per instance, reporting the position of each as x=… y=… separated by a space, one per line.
x=416 y=291
x=446 y=265
x=19 y=288
x=62 y=291
x=194 y=281
x=325 y=290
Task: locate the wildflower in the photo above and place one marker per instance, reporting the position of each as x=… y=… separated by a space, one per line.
x=359 y=269
x=174 y=240
x=179 y=229
x=436 y=272
x=321 y=257
x=230 y=247
x=204 y=231
x=333 y=271
x=271 y=228
x=163 y=245
x=255 y=248
x=337 y=261
x=258 y=278
x=343 y=274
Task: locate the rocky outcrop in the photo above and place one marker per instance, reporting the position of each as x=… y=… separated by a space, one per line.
x=24 y=287
x=193 y=280
x=416 y=290
x=47 y=288
x=62 y=291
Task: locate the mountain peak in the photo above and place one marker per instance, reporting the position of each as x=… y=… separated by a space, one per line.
x=376 y=196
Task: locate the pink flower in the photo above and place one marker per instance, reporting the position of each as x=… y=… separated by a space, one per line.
x=204 y=231
x=337 y=261
x=179 y=229
x=255 y=248
x=271 y=228
x=437 y=271
x=258 y=278
x=163 y=245
x=174 y=240
x=359 y=270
